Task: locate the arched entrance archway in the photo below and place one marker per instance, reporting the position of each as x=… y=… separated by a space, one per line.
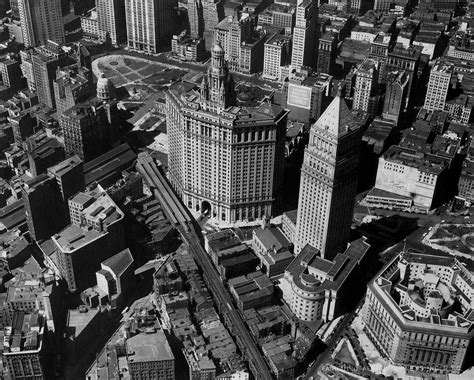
x=206 y=208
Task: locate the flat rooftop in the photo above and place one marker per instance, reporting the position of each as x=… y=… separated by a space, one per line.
x=74 y=237
x=78 y=320
x=149 y=347
x=65 y=165
x=426 y=162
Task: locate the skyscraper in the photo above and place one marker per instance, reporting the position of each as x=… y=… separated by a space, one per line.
x=71 y=86
x=406 y=59
x=148 y=22
x=365 y=86
x=95 y=234
x=277 y=53
x=304 y=34
x=111 y=20
x=84 y=130
x=46 y=60
x=378 y=51
x=213 y=13
x=230 y=33
x=396 y=95
x=196 y=20
x=69 y=176
x=328 y=181
x=327 y=53
x=224 y=159
x=41 y=206
x=440 y=80
x=41 y=20
x=382 y=5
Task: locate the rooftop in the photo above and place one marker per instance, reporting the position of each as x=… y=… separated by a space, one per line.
x=423 y=161
x=119 y=262
x=65 y=166
x=312 y=273
x=151 y=347
x=109 y=166
x=408 y=273
x=272 y=238
x=78 y=319
x=278 y=39
x=99 y=213
x=337 y=118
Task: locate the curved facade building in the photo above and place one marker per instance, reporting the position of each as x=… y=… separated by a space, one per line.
x=419 y=311
x=319 y=287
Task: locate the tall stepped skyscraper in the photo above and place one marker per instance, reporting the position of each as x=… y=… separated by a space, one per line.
x=328 y=181
x=41 y=20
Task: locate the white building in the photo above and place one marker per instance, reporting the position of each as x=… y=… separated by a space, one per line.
x=440 y=80
x=304 y=34
x=111 y=20
x=276 y=54
x=148 y=22
x=418 y=311
x=366 y=82
x=319 y=286
x=224 y=159
x=90 y=24
x=406 y=177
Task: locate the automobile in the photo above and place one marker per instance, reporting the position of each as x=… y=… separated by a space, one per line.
x=443 y=221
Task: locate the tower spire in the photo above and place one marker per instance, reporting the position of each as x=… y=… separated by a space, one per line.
x=220 y=83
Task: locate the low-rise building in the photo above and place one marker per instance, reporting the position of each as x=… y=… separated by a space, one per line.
x=254 y=290
x=83 y=327
x=273 y=249
x=149 y=355
x=201 y=367
x=410 y=311
x=187 y=48
x=115 y=277
x=320 y=287
x=278 y=352
x=288 y=224
x=409 y=178
x=25 y=347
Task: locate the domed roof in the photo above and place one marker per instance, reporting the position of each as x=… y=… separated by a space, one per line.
x=104 y=86
x=103 y=82
x=217 y=49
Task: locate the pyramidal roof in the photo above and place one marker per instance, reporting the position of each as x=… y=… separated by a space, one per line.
x=336 y=117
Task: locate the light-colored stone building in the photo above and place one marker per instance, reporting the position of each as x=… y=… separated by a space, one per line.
x=224 y=160
x=329 y=181
x=418 y=310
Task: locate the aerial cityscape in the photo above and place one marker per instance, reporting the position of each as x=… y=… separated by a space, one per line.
x=236 y=190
